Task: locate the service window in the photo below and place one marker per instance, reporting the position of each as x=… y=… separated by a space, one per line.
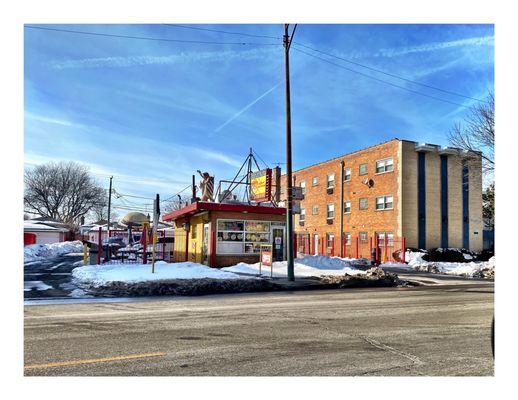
x=314 y=210
x=315 y=181
x=241 y=237
x=363 y=203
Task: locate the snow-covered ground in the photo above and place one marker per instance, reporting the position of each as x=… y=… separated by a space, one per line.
x=99 y=275
x=38 y=251
x=304 y=267
x=470 y=269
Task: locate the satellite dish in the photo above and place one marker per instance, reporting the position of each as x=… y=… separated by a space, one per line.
x=368 y=182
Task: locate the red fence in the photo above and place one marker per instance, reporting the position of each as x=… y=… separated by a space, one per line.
x=387 y=249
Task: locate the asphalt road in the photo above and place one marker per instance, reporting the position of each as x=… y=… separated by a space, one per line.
x=440 y=330
x=51 y=278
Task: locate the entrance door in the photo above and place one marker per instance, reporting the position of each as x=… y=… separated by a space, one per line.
x=278 y=243
x=205 y=245
x=315 y=244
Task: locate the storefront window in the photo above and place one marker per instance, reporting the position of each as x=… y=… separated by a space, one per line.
x=242 y=237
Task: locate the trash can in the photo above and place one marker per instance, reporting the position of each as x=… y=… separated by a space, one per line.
x=93 y=250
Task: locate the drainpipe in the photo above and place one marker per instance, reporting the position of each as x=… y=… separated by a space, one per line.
x=187 y=231
x=341 y=208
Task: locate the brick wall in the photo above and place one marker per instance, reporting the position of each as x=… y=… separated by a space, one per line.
x=357 y=220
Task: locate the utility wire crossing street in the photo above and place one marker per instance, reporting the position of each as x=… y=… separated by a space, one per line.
x=434 y=330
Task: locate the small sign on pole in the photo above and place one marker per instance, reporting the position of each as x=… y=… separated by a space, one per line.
x=266 y=258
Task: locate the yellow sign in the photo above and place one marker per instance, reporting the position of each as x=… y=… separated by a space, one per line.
x=261 y=185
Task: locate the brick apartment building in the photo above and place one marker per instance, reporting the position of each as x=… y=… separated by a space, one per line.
x=428 y=194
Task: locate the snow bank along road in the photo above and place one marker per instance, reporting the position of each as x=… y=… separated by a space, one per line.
x=428 y=330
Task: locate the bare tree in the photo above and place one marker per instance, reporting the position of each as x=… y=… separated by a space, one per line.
x=477 y=132
x=64 y=191
x=100 y=212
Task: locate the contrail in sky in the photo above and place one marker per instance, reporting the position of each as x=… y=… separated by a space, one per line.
x=245 y=108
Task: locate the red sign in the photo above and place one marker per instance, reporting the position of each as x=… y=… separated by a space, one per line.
x=266 y=258
x=261 y=185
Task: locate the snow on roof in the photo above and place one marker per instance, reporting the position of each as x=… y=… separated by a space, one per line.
x=39 y=227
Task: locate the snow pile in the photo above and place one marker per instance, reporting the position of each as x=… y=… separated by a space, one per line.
x=38 y=251
x=99 y=275
x=474 y=269
x=304 y=267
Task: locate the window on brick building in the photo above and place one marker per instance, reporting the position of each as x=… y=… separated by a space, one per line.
x=347 y=207
x=330 y=238
x=314 y=210
x=386 y=165
x=381 y=238
x=330 y=211
x=363 y=169
x=302 y=214
x=315 y=181
x=347 y=238
x=347 y=174
x=330 y=181
x=384 y=203
x=363 y=203
x=363 y=237
x=303 y=186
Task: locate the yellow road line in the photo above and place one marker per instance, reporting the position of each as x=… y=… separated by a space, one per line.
x=93 y=361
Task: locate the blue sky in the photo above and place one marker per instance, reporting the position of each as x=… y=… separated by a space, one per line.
x=153 y=112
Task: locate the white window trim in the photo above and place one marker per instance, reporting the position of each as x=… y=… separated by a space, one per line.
x=384 y=202
x=329 y=181
x=244 y=235
x=313 y=210
x=303 y=186
x=366 y=172
x=350 y=174
x=350 y=209
x=313 y=181
x=327 y=211
x=366 y=208
x=383 y=172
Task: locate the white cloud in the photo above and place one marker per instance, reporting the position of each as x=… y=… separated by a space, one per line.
x=398 y=51
x=183 y=57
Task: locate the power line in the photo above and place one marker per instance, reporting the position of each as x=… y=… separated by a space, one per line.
x=220 y=31
x=388 y=73
x=176 y=194
x=147 y=38
x=337 y=57
x=380 y=80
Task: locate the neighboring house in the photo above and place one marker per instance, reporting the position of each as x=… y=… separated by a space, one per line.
x=35 y=232
x=429 y=194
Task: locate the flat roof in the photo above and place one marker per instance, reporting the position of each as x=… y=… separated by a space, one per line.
x=201 y=206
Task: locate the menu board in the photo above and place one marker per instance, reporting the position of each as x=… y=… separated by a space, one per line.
x=257 y=226
x=228 y=225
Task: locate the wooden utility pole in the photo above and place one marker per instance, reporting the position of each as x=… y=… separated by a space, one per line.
x=289 y=183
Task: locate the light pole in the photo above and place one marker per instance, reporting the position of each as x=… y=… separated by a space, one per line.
x=289 y=209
